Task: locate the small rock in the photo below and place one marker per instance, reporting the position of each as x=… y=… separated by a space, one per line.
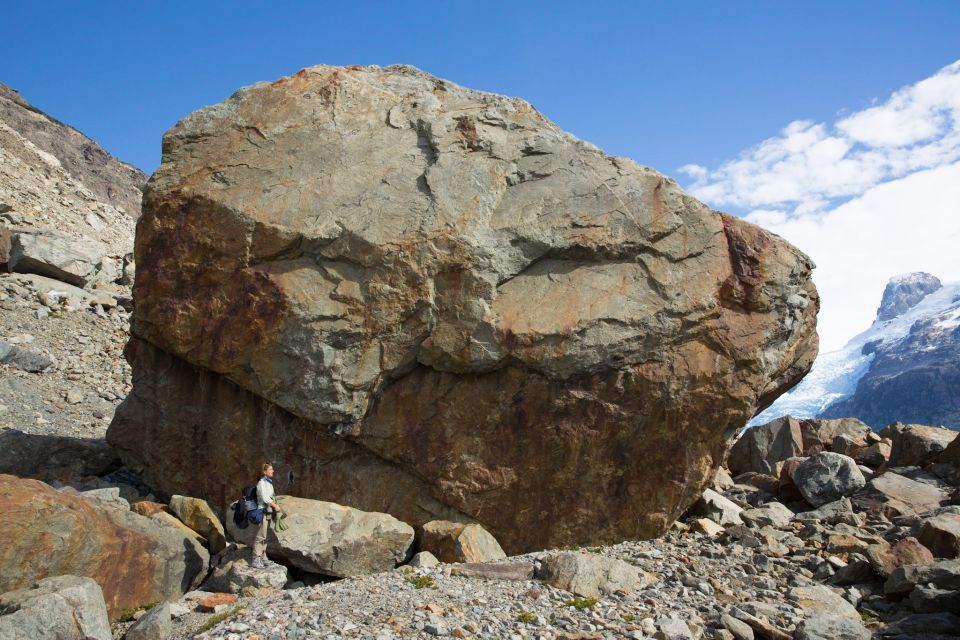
x=423 y=559
x=828 y=476
x=154 y=625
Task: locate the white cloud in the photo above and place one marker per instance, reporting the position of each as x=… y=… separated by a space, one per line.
x=872 y=195
x=908 y=224
x=917 y=128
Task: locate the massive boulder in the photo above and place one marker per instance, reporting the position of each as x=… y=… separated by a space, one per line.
x=431 y=301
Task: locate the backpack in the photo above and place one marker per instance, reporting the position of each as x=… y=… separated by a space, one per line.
x=245 y=510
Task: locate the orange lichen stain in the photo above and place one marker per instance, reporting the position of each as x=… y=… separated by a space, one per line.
x=468 y=133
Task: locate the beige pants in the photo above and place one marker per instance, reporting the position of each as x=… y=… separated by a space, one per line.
x=260 y=542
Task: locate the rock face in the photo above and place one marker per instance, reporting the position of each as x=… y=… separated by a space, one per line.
x=132 y=558
x=431 y=301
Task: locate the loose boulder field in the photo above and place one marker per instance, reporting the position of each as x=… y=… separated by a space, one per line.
x=429 y=301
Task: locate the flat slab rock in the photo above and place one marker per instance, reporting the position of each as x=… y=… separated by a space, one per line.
x=592 y=575
x=494 y=571
x=448 y=308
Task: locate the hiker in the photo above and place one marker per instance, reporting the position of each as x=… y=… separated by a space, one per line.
x=265 y=501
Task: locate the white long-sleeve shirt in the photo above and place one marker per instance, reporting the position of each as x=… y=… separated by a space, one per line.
x=265 y=494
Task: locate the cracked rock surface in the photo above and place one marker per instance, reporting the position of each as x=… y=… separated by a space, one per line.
x=430 y=301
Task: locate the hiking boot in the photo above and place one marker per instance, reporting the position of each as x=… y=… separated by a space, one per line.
x=258 y=563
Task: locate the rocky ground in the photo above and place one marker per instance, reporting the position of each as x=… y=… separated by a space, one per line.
x=71 y=373
x=62 y=328
x=880 y=563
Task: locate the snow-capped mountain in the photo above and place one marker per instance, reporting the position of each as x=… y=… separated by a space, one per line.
x=905 y=367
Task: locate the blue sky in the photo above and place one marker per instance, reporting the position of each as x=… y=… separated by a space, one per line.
x=666 y=84
x=834 y=124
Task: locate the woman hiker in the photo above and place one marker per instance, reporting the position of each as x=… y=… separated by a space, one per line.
x=266 y=500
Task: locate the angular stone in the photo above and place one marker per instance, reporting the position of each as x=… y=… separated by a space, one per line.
x=25 y=359
x=895 y=495
x=50 y=254
x=216 y=603
x=166 y=519
x=458 y=542
x=134 y=559
x=49 y=458
x=157 y=624
x=514 y=571
x=235 y=574
x=765 y=483
x=197 y=514
x=592 y=575
x=787 y=489
x=941 y=534
x=423 y=559
x=427 y=291
x=914 y=444
x=760 y=448
x=951 y=454
x=722 y=480
x=923 y=625
x=104 y=496
x=147 y=508
x=771 y=514
x=944 y=574
x=827 y=615
x=672 y=629
x=740 y=630
x=932 y=600
x=721 y=510
x=826 y=477
x=55 y=608
x=845 y=543
x=857 y=572
x=328 y=538
x=876 y=455
x=761 y=627
x=706 y=526
x=820 y=435
x=885 y=557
